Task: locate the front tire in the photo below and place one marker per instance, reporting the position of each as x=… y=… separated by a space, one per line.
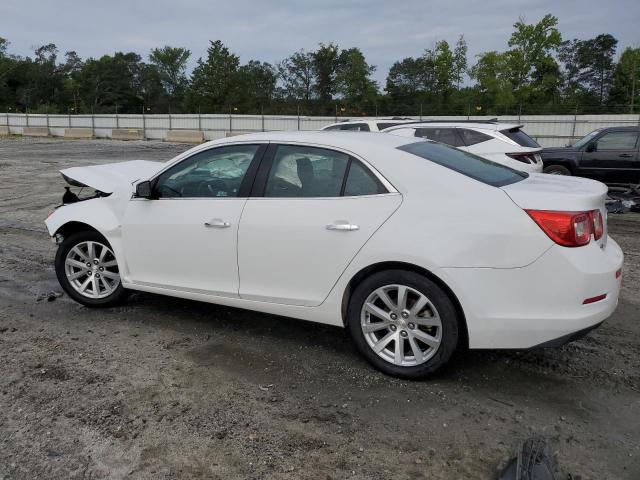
x=403 y=323
x=87 y=270
x=556 y=170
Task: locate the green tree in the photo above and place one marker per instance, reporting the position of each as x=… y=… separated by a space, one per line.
x=625 y=89
x=111 y=82
x=459 y=61
x=353 y=78
x=212 y=82
x=325 y=67
x=531 y=53
x=492 y=73
x=296 y=74
x=589 y=66
x=171 y=66
x=255 y=86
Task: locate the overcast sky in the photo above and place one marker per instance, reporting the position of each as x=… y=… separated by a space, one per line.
x=269 y=30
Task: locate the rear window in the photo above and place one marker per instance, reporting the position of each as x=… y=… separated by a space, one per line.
x=520 y=138
x=383 y=125
x=466 y=163
x=357 y=127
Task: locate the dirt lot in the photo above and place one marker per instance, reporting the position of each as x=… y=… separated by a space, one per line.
x=169 y=388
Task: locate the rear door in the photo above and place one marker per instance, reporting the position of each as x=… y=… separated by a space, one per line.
x=613 y=156
x=313 y=210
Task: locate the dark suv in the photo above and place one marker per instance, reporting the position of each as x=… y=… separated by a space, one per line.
x=608 y=154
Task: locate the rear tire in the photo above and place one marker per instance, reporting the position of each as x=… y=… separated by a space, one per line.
x=556 y=170
x=403 y=323
x=87 y=270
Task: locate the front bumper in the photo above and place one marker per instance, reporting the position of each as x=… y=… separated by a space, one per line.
x=540 y=303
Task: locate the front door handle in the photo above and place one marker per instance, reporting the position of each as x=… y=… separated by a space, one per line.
x=217 y=223
x=343 y=225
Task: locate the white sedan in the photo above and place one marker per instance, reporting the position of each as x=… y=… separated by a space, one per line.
x=415 y=247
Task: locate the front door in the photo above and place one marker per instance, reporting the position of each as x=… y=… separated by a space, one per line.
x=185 y=237
x=612 y=157
x=315 y=210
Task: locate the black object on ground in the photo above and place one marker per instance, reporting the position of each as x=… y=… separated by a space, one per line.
x=533 y=461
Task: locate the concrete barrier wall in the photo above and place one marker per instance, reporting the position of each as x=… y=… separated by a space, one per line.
x=35 y=131
x=127 y=134
x=185 y=136
x=78 y=132
x=548 y=130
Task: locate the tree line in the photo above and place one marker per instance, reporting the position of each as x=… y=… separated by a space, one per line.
x=539 y=72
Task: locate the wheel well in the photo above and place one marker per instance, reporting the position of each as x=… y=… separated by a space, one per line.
x=379 y=267
x=558 y=163
x=70 y=228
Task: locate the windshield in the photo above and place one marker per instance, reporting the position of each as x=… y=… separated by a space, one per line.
x=586 y=139
x=466 y=163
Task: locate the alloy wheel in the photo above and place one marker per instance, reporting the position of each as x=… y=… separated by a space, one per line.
x=401 y=325
x=92 y=270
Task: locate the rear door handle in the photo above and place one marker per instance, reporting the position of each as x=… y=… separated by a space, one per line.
x=625 y=155
x=343 y=225
x=217 y=223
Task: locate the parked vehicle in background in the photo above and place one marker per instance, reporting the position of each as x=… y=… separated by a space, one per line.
x=368 y=125
x=607 y=154
x=499 y=142
x=359 y=230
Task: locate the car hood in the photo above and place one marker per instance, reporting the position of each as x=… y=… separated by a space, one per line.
x=557 y=192
x=106 y=178
x=557 y=150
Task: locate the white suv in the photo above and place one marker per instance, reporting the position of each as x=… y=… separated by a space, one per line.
x=369 y=124
x=499 y=142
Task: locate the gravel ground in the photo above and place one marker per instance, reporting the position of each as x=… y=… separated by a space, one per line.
x=169 y=388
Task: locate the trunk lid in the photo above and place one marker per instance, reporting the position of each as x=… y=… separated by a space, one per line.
x=106 y=178
x=559 y=193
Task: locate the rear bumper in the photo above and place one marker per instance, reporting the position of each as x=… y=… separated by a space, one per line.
x=558 y=342
x=540 y=304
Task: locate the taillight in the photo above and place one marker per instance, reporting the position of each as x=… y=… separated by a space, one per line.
x=569 y=229
x=598 y=227
x=522 y=157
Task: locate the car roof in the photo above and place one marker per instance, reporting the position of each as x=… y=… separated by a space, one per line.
x=631 y=128
x=494 y=126
x=348 y=140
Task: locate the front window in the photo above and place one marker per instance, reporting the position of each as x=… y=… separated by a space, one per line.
x=617 y=141
x=217 y=172
x=466 y=163
x=586 y=139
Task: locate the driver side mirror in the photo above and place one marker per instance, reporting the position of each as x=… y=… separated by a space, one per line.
x=591 y=147
x=143 y=190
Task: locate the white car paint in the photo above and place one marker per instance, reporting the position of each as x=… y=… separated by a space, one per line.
x=516 y=287
x=367 y=124
x=494 y=149
x=106 y=178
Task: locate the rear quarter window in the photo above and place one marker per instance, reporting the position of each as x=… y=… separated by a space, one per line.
x=471 y=137
x=520 y=138
x=466 y=163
